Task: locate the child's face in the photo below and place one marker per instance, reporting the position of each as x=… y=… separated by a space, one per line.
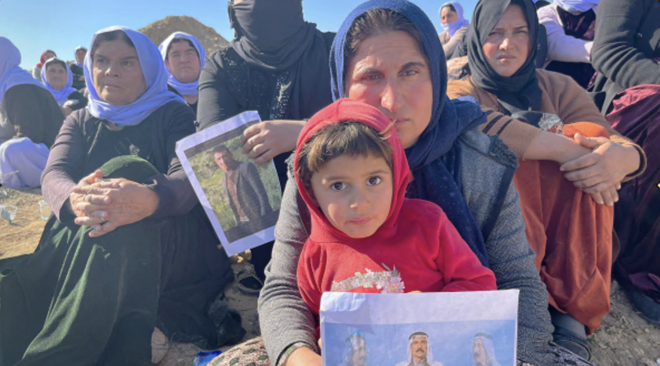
x=354 y=193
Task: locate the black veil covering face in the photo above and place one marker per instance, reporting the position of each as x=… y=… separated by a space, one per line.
x=273 y=35
x=519 y=92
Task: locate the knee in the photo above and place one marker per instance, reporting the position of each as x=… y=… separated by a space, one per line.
x=587 y=129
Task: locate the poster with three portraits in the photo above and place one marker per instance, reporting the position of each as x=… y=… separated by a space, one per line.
x=241 y=199
x=426 y=329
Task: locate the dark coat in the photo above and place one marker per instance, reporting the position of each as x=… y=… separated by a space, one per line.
x=627 y=38
x=250 y=191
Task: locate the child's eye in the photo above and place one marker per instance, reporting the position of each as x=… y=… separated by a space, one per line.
x=339 y=186
x=374 y=181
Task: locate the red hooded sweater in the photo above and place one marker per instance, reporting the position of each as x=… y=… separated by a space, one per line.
x=416 y=249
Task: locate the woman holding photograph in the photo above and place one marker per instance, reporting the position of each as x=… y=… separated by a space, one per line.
x=272 y=67
x=387 y=54
x=128 y=247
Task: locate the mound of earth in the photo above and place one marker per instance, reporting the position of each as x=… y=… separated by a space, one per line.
x=161 y=29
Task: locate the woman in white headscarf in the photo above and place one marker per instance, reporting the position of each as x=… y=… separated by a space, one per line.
x=483 y=350
x=29 y=122
x=57 y=78
x=454 y=24
x=570 y=25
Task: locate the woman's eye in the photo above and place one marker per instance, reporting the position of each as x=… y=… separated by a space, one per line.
x=410 y=72
x=339 y=186
x=370 y=77
x=374 y=181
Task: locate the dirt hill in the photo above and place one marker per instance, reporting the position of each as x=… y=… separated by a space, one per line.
x=161 y=29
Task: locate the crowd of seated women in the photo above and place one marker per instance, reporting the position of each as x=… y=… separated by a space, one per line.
x=559 y=178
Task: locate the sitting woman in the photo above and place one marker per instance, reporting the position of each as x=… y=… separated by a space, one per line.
x=569 y=232
x=626 y=54
x=570 y=25
x=273 y=66
x=47 y=55
x=78 y=68
x=57 y=79
x=184 y=58
x=128 y=246
x=29 y=122
x=455 y=26
x=387 y=54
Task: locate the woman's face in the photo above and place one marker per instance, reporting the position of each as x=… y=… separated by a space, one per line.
x=49 y=55
x=508 y=43
x=183 y=62
x=56 y=76
x=389 y=72
x=447 y=16
x=80 y=55
x=117 y=73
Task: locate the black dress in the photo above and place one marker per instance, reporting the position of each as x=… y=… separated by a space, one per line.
x=228 y=86
x=82 y=300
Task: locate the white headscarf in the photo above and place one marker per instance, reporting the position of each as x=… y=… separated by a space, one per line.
x=183 y=88
x=10 y=73
x=576 y=5
x=60 y=95
x=454 y=26
x=79 y=64
x=429 y=350
x=487 y=341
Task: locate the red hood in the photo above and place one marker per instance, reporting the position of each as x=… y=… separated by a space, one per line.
x=349 y=110
x=42 y=59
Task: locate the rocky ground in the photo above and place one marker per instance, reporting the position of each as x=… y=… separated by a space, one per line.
x=624 y=339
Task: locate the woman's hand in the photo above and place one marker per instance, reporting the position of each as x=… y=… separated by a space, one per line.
x=75 y=198
x=304 y=356
x=114 y=203
x=66 y=111
x=265 y=140
x=602 y=170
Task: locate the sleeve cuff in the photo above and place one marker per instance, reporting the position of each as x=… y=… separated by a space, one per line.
x=642 y=164
x=289 y=350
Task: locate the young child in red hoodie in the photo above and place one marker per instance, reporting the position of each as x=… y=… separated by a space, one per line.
x=366 y=237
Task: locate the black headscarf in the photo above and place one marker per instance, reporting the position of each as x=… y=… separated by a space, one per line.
x=272 y=35
x=519 y=92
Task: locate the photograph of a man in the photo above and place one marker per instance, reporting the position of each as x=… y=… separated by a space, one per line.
x=247 y=195
x=355 y=351
x=419 y=351
x=483 y=350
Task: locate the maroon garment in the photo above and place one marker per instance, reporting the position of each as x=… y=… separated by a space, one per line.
x=417 y=248
x=636 y=115
x=579 y=26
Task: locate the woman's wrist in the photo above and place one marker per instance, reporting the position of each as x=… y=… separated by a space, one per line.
x=635 y=160
x=300 y=354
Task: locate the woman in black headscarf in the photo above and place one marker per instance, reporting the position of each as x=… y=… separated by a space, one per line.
x=278 y=65
x=570 y=234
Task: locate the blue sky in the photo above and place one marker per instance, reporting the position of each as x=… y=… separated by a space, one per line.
x=37 y=25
